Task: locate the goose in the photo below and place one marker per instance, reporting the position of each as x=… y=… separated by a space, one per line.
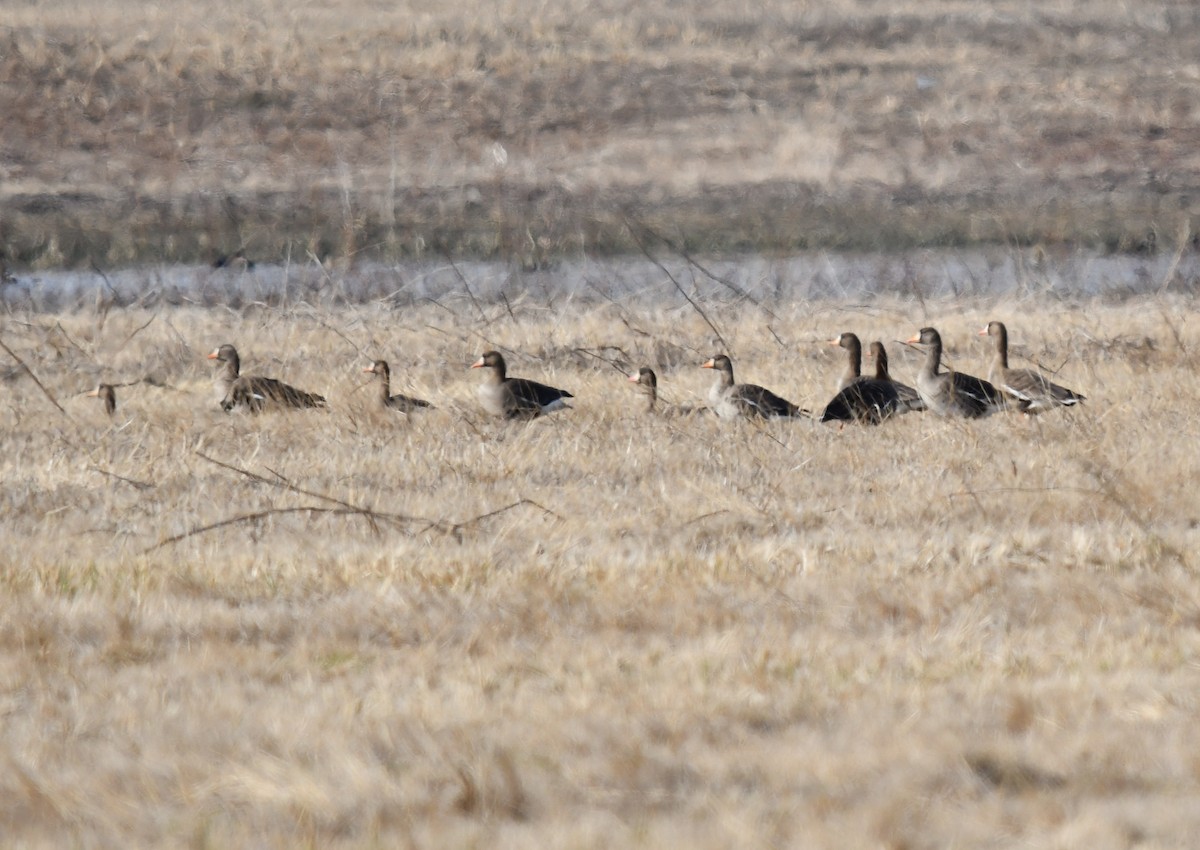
x=383 y=376
x=872 y=399
x=853 y=347
x=952 y=393
x=732 y=401
x=909 y=399
x=647 y=385
x=253 y=391
x=1030 y=388
x=515 y=398
x=109 y=394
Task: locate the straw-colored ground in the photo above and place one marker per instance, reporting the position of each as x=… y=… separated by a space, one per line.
x=597 y=629
x=182 y=129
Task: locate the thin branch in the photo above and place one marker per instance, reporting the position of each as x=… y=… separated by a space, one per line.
x=702 y=517
x=251 y=517
x=508 y=307
x=682 y=252
x=135 y=333
x=58 y=327
x=40 y=385
x=466 y=286
x=371 y=515
x=349 y=341
x=604 y=359
x=649 y=256
x=457 y=527
x=141 y=485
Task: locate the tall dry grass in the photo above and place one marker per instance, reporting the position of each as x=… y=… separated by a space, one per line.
x=597 y=628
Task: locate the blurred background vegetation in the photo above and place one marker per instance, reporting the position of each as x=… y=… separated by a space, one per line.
x=183 y=132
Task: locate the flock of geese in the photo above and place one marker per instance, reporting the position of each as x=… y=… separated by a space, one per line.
x=860 y=398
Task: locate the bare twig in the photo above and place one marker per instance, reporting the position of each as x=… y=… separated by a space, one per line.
x=456 y=528
x=58 y=326
x=371 y=515
x=466 y=286
x=250 y=517
x=135 y=333
x=604 y=359
x=349 y=341
x=141 y=485
x=649 y=256
x=40 y=385
x=508 y=307
x=104 y=278
x=701 y=518
x=716 y=278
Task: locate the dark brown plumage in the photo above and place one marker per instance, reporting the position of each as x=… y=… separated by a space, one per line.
x=733 y=401
x=908 y=399
x=872 y=399
x=515 y=398
x=383 y=374
x=253 y=392
x=1032 y=390
x=953 y=393
x=108 y=394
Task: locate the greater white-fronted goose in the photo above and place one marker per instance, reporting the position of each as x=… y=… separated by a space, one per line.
x=952 y=393
x=647 y=385
x=872 y=399
x=109 y=394
x=733 y=401
x=909 y=399
x=383 y=375
x=1033 y=391
x=255 y=392
x=515 y=398
x=853 y=347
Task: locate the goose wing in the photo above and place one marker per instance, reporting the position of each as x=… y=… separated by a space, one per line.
x=974 y=397
x=255 y=392
x=525 y=399
x=1036 y=390
x=406 y=404
x=754 y=400
x=865 y=400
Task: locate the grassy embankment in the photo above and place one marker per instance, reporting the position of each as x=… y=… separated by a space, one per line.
x=526 y=131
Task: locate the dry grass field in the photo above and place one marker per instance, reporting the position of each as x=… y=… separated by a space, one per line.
x=177 y=131
x=349 y=628
x=355 y=628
